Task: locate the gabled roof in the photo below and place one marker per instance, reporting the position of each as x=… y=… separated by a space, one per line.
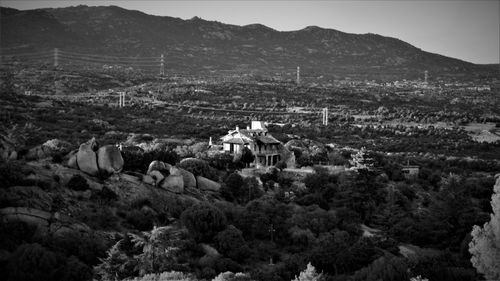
x=235 y=140
x=246 y=136
x=267 y=139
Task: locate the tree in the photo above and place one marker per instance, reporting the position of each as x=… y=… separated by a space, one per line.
x=362 y=160
x=76 y=270
x=203 y=221
x=229 y=276
x=485 y=244
x=309 y=274
x=251 y=190
x=116 y=265
x=231 y=243
x=166 y=276
x=159 y=248
x=387 y=268
x=233 y=187
x=247 y=156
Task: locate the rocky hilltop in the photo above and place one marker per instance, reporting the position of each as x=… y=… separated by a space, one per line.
x=198 y=46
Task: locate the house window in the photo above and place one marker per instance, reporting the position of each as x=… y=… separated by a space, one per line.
x=231 y=147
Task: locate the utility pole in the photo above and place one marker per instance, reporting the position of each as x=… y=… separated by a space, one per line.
x=325 y=116
x=56 y=57
x=122 y=99
x=271 y=230
x=298 y=75
x=162 y=66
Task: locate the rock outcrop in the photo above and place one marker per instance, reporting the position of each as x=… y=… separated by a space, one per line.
x=26 y=196
x=46 y=222
x=72 y=159
x=189 y=179
x=87 y=158
x=173 y=183
x=157 y=176
x=158 y=166
x=206 y=184
x=109 y=159
x=91 y=159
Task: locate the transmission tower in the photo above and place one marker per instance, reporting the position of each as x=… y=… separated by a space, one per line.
x=56 y=57
x=162 y=66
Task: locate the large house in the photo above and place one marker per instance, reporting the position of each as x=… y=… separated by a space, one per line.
x=255 y=137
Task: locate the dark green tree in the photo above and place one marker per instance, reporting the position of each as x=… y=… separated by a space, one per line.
x=203 y=221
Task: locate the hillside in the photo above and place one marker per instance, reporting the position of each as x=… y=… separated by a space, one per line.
x=199 y=46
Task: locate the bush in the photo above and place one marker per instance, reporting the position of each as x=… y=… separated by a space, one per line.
x=32 y=262
x=203 y=221
x=229 y=276
x=75 y=270
x=199 y=168
x=14 y=233
x=166 y=276
x=101 y=217
x=230 y=242
x=104 y=196
x=77 y=182
x=141 y=220
x=139 y=161
x=88 y=248
x=13 y=173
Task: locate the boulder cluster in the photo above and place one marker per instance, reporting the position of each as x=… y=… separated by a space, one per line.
x=92 y=159
x=176 y=179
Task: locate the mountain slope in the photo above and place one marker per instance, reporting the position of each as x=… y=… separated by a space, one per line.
x=197 y=45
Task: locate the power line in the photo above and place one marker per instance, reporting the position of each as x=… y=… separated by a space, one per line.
x=82 y=59
x=25 y=54
x=106 y=56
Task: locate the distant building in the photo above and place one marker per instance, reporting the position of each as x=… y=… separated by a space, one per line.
x=410 y=171
x=255 y=137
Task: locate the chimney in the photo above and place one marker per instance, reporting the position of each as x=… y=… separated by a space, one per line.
x=248 y=127
x=237 y=128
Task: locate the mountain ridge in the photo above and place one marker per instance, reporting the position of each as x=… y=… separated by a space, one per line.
x=197 y=44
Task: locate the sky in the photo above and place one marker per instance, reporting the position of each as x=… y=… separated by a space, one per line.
x=465 y=29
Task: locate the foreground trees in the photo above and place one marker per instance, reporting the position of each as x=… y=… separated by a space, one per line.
x=485 y=244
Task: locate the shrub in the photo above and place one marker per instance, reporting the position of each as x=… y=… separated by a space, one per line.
x=231 y=243
x=140 y=202
x=15 y=233
x=203 y=221
x=199 y=168
x=141 y=220
x=88 y=248
x=75 y=270
x=77 y=182
x=166 y=276
x=104 y=196
x=13 y=173
x=32 y=262
x=229 y=276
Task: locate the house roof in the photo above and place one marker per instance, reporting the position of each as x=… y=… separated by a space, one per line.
x=235 y=140
x=267 y=139
x=244 y=136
